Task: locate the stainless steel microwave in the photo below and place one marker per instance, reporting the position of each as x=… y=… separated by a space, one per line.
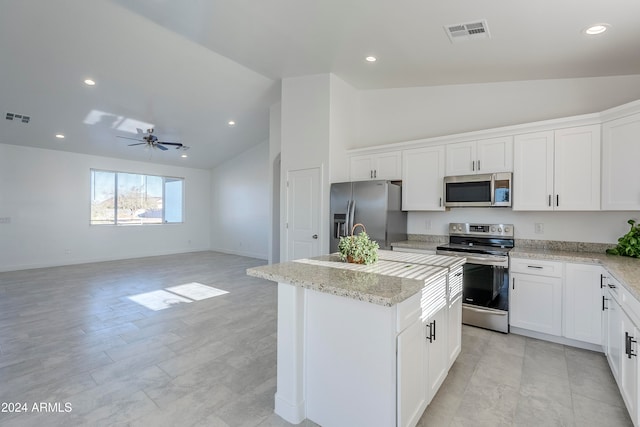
x=489 y=190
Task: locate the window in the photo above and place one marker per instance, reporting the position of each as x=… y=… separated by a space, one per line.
x=120 y=198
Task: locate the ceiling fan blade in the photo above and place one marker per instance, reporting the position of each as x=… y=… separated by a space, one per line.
x=126 y=137
x=161 y=147
x=140 y=143
x=170 y=143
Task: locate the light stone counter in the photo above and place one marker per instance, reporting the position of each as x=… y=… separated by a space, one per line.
x=379 y=283
x=417 y=244
x=624 y=269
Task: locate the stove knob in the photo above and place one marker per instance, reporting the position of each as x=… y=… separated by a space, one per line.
x=499 y=230
x=493 y=229
x=507 y=229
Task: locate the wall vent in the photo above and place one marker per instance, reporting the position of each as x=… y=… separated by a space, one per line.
x=20 y=117
x=467 y=31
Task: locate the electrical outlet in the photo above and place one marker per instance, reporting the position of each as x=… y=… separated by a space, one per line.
x=539 y=228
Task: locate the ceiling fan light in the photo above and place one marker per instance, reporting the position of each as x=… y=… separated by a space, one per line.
x=89 y=82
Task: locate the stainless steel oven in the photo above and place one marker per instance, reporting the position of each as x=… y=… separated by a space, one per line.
x=486 y=273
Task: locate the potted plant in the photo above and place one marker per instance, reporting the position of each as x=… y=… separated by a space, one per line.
x=629 y=244
x=358 y=249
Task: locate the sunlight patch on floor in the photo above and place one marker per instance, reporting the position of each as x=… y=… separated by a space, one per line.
x=196 y=291
x=187 y=293
x=158 y=300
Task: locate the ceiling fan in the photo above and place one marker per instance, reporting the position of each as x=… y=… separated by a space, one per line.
x=150 y=140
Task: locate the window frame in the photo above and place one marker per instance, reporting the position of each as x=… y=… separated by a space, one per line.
x=164 y=179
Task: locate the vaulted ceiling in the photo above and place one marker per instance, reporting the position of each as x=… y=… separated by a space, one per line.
x=188 y=68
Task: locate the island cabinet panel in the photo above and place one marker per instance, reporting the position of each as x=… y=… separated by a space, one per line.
x=350 y=355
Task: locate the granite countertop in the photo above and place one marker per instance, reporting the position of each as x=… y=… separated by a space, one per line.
x=624 y=269
x=416 y=244
x=380 y=283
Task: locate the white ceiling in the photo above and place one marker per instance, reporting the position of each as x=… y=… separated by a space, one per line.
x=190 y=67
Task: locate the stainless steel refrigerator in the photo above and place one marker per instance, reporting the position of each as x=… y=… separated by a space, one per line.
x=375 y=204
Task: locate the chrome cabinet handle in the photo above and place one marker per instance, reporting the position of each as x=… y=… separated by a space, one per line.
x=549 y=199
x=535 y=266
x=473 y=165
x=604 y=307
x=478 y=164
x=557 y=200
x=315 y=236
x=440 y=203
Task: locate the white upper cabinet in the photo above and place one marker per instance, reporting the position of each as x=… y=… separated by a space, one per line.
x=620 y=154
x=557 y=170
x=577 y=169
x=377 y=166
x=422 y=179
x=533 y=171
x=483 y=156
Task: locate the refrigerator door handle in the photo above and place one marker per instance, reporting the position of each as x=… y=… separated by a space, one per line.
x=352 y=213
x=346 y=219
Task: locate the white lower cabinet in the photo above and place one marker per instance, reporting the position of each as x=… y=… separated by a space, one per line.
x=437 y=354
x=454 y=342
x=535 y=303
x=422 y=365
x=583 y=303
x=412 y=374
x=612 y=346
x=628 y=382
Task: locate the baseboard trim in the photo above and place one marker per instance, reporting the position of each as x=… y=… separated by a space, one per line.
x=557 y=340
x=289 y=411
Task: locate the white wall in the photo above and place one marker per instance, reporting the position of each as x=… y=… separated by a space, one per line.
x=240 y=204
x=46 y=194
x=396 y=115
x=343 y=126
x=275 y=143
x=594 y=227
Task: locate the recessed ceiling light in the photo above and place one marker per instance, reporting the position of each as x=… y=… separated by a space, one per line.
x=184 y=156
x=89 y=82
x=59 y=136
x=231 y=123
x=371 y=59
x=596 y=29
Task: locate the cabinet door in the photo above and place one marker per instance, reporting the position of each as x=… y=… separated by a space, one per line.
x=437 y=354
x=461 y=158
x=495 y=155
x=620 y=154
x=577 y=169
x=454 y=341
x=412 y=374
x=361 y=168
x=388 y=166
x=614 y=340
x=628 y=382
x=533 y=171
x=422 y=179
x=535 y=303
x=583 y=303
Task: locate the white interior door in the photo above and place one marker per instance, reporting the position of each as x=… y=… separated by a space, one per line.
x=303 y=213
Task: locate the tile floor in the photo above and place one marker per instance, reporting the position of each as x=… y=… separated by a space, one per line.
x=71 y=336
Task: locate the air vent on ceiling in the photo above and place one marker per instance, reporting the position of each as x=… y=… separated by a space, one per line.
x=21 y=117
x=467 y=31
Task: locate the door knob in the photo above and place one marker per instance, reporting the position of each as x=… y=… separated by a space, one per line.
x=315 y=236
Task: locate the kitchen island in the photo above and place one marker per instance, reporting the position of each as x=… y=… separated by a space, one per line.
x=364 y=345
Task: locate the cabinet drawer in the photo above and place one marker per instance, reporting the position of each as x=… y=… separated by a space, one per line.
x=537 y=267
